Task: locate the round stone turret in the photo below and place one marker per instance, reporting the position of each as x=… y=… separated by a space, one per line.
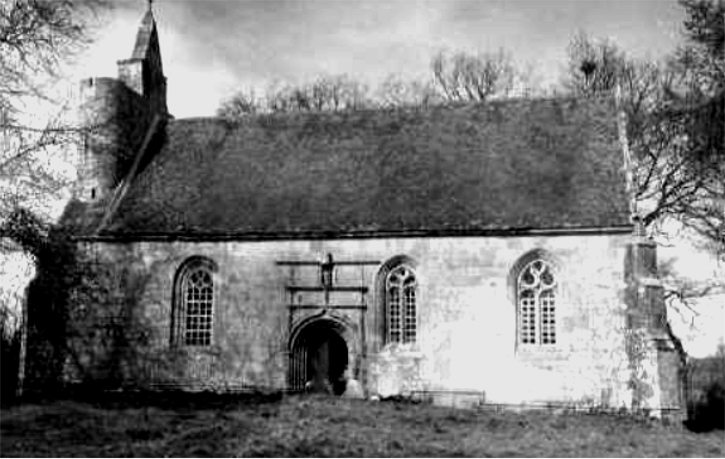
x=115 y=115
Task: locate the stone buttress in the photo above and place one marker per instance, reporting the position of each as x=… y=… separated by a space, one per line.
x=654 y=361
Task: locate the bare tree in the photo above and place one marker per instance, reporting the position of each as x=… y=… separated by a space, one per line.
x=677 y=146
x=674 y=126
x=595 y=66
x=395 y=91
x=682 y=292
x=458 y=77
x=335 y=93
x=325 y=93
x=36 y=36
x=240 y=104
x=697 y=100
x=466 y=77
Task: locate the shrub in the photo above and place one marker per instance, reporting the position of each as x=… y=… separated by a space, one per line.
x=706 y=394
x=9 y=360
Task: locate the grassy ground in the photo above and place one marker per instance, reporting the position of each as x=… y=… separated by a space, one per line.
x=318 y=426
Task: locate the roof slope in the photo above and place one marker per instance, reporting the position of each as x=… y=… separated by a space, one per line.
x=144 y=36
x=508 y=165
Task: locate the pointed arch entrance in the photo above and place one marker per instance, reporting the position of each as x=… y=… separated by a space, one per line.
x=319 y=355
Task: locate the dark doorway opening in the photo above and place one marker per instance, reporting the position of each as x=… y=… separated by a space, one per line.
x=319 y=358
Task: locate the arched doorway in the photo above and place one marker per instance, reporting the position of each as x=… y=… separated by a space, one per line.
x=319 y=357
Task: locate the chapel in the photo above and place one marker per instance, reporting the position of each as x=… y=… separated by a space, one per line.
x=464 y=254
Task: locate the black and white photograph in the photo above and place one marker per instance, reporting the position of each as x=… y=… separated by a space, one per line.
x=362 y=228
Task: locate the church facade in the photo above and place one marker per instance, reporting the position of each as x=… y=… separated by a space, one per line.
x=480 y=253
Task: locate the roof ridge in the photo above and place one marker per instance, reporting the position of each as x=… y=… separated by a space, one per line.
x=412 y=109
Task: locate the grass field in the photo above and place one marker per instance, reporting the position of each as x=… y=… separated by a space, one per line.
x=319 y=426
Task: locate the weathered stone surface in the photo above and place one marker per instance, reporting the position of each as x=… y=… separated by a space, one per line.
x=353 y=389
x=654 y=365
x=466 y=315
x=610 y=348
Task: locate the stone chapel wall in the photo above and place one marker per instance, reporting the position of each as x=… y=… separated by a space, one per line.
x=466 y=338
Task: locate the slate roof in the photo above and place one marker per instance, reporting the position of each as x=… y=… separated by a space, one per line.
x=143 y=36
x=502 y=166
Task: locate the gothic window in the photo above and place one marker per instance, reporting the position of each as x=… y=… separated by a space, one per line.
x=400 y=302
x=193 y=311
x=536 y=293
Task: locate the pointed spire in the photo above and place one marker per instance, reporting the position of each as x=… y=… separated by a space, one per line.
x=145 y=32
x=143 y=71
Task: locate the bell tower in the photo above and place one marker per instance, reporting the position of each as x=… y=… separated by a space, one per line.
x=143 y=72
x=115 y=115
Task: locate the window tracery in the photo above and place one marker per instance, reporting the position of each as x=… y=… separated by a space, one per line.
x=536 y=289
x=401 y=308
x=193 y=316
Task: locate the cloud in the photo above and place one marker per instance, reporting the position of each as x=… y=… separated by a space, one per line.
x=219 y=45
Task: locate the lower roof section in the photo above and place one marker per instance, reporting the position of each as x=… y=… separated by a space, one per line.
x=222 y=237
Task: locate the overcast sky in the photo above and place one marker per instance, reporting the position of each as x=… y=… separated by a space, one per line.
x=211 y=47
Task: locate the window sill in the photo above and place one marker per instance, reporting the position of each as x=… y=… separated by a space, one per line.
x=211 y=349
x=536 y=351
x=402 y=349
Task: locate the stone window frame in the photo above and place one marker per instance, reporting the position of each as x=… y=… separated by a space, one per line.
x=202 y=336
x=540 y=338
x=408 y=328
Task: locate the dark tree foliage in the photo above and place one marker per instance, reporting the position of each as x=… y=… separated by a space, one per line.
x=82 y=324
x=706 y=392
x=697 y=99
x=53 y=256
x=36 y=36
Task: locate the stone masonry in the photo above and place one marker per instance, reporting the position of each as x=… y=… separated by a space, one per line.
x=466 y=322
